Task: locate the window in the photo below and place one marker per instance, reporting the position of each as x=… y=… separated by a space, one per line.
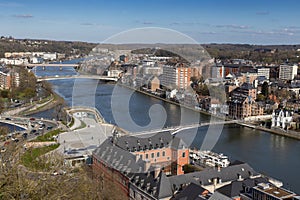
x=183 y=154
x=163 y=153
x=152 y=155
x=141 y=156
x=146 y=156
x=157 y=154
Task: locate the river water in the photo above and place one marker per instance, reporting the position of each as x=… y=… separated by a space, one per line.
x=275 y=156
x=11 y=128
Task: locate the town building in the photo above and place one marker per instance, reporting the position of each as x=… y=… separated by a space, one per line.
x=14 y=61
x=281 y=118
x=176 y=75
x=271 y=192
x=241 y=189
x=242 y=102
x=263 y=71
x=218 y=71
x=8 y=79
x=152 y=70
x=139 y=164
x=123 y=161
x=154 y=84
x=287 y=72
x=49 y=56
x=192 y=192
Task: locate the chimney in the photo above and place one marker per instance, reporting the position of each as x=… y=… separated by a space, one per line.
x=239 y=177
x=219 y=168
x=147 y=165
x=156 y=171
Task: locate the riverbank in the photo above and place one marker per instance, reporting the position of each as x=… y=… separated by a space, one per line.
x=290 y=134
x=175 y=103
x=52 y=103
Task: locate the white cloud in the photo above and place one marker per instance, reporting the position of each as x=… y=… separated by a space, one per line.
x=233 y=26
x=262 y=13
x=23 y=16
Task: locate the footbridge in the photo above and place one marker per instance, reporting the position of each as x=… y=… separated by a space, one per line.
x=176 y=129
x=95 y=77
x=51 y=65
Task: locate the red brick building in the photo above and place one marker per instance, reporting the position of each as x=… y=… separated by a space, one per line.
x=121 y=160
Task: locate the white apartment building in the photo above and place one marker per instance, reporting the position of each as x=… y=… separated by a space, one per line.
x=49 y=56
x=9 y=79
x=149 y=70
x=287 y=72
x=14 y=61
x=176 y=76
x=264 y=72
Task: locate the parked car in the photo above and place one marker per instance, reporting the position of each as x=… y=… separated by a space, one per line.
x=24 y=135
x=15 y=139
x=3 y=149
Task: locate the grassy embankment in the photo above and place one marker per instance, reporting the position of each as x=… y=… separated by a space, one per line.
x=32 y=157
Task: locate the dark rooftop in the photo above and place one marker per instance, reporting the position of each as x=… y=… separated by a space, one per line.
x=149 y=141
x=192 y=192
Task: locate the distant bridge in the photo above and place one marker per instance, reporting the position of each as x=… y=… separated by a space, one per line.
x=52 y=65
x=176 y=129
x=96 y=77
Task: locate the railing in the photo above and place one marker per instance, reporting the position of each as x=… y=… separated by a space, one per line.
x=177 y=129
x=108 y=78
x=98 y=115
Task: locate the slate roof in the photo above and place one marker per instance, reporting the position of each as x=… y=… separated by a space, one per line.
x=191 y=192
x=218 y=196
x=126 y=163
x=162 y=186
x=205 y=177
x=118 y=158
x=236 y=187
x=150 y=141
x=246 y=86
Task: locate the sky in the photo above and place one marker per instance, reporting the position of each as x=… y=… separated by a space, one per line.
x=209 y=21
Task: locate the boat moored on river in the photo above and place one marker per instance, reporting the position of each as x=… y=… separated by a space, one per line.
x=210 y=158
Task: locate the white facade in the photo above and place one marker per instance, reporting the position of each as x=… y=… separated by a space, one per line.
x=18 y=61
x=175 y=77
x=152 y=70
x=282 y=120
x=287 y=72
x=9 y=79
x=148 y=62
x=218 y=71
x=114 y=73
x=50 y=56
x=169 y=76
x=264 y=72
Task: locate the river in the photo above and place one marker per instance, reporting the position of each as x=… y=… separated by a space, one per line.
x=273 y=155
x=11 y=128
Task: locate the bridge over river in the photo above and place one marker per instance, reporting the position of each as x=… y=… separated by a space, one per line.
x=176 y=129
x=29 y=65
x=95 y=77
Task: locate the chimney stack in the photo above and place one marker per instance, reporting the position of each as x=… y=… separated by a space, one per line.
x=156 y=171
x=147 y=165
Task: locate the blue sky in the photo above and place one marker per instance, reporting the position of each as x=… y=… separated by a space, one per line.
x=213 y=21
